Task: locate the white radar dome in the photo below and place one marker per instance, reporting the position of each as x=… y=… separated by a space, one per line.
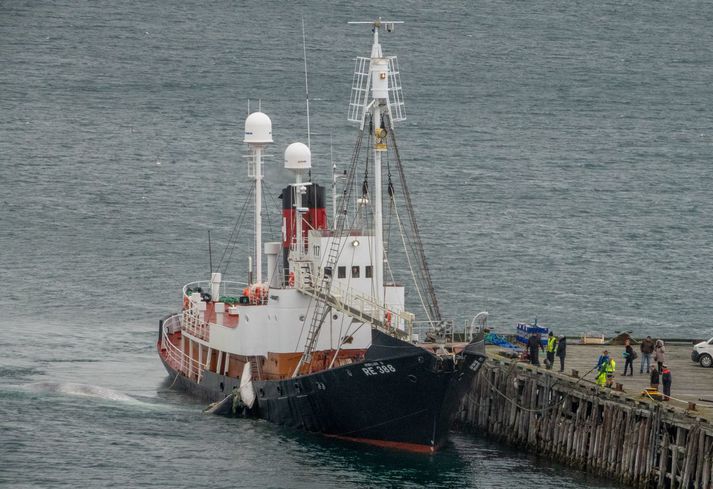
x=298 y=157
x=258 y=128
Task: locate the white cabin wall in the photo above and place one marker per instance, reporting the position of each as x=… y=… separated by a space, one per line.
x=394 y=299
x=359 y=256
x=277 y=327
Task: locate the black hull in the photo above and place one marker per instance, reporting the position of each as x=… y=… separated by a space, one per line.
x=400 y=396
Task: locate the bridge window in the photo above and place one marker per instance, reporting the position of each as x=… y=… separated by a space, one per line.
x=341 y=272
x=368 y=271
x=355 y=271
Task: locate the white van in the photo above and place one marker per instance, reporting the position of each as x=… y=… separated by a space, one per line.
x=703 y=353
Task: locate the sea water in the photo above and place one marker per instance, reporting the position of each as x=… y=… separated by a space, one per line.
x=558 y=158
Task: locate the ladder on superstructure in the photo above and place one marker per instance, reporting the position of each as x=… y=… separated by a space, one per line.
x=358 y=306
x=324 y=284
x=358 y=112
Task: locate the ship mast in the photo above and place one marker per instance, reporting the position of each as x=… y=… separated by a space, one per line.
x=370 y=95
x=380 y=94
x=258 y=133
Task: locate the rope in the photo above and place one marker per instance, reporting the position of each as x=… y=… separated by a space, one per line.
x=658 y=400
x=234 y=233
x=514 y=403
x=416 y=237
x=410 y=266
x=340 y=220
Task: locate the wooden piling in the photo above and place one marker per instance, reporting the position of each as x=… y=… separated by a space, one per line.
x=639 y=443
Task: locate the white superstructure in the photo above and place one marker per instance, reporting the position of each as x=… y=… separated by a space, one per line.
x=324 y=288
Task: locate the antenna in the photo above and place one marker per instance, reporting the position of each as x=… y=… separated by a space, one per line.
x=334 y=182
x=210 y=253
x=304 y=54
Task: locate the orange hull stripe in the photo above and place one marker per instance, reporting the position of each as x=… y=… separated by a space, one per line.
x=408 y=447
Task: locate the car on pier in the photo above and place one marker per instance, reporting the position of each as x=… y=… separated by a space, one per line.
x=703 y=353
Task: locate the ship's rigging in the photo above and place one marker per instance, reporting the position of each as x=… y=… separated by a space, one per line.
x=377 y=117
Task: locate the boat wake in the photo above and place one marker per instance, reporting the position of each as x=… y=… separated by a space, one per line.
x=82 y=390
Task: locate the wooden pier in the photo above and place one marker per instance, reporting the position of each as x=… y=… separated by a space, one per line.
x=615 y=434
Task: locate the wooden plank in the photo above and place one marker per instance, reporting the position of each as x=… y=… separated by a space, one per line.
x=663 y=463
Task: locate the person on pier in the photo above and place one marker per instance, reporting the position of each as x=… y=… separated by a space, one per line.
x=602 y=364
x=647 y=348
x=659 y=354
x=629 y=357
x=551 y=350
x=654 y=378
x=666 y=382
x=562 y=351
x=534 y=346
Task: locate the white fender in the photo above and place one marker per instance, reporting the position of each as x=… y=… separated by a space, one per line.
x=247 y=391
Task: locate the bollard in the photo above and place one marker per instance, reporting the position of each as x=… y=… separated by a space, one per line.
x=575 y=373
x=619 y=387
x=691 y=406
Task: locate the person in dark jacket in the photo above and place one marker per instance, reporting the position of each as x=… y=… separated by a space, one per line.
x=629 y=355
x=647 y=348
x=534 y=346
x=562 y=351
x=666 y=382
x=654 y=379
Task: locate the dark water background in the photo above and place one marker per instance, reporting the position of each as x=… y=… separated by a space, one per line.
x=558 y=154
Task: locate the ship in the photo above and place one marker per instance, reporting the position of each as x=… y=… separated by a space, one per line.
x=321 y=338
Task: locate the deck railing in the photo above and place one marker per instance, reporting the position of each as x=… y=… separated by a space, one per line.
x=227 y=288
x=180 y=361
x=192 y=324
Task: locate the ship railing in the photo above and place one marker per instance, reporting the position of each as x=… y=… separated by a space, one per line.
x=448 y=330
x=180 y=361
x=357 y=305
x=372 y=307
x=192 y=324
x=228 y=288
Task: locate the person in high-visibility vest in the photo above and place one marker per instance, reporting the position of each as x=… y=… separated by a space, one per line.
x=610 y=368
x=602 y=366
x=551 y=349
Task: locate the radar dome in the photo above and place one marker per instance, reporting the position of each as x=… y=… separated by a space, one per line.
x=258 y=128
x=298 y=157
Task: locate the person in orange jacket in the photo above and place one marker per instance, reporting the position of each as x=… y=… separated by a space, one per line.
x=666 y=382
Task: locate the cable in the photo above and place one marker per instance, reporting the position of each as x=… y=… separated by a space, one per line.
x=514 y=403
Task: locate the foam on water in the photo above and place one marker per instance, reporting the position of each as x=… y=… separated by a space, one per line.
x=84 y=390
